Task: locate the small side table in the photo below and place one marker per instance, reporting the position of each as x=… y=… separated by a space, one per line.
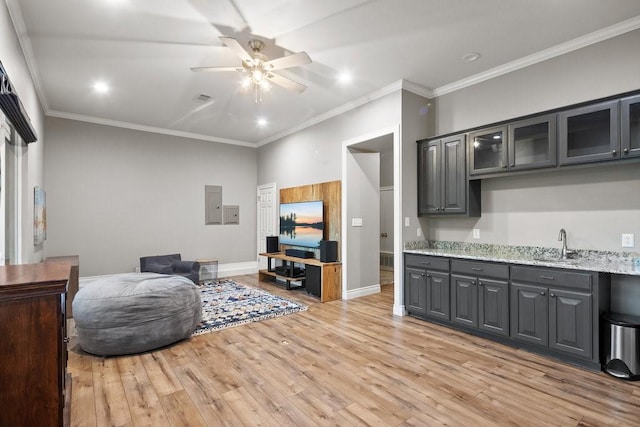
x=73 y=261
x=208 y=269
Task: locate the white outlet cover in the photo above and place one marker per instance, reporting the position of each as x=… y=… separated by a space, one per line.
x=476 y=233
x=628 y=241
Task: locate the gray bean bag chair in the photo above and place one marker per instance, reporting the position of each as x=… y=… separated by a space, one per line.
x=135 y=312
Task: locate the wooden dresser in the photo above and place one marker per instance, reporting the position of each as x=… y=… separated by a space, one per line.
x=35 y=389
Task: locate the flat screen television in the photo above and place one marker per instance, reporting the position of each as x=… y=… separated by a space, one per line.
x=302 y=224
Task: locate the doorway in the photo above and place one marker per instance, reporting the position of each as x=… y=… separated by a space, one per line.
x=361 y=265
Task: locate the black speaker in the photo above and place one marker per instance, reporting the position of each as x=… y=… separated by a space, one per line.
x=328 y=251
x=272 y=244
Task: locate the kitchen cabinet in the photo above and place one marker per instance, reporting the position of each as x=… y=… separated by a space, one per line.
x=480 y=296
x=522 y=144
x=589 y=133
x=427 y=286
x=553 y=308
x=488 y=151
x=630 y=126
x=532 y=143
x=442 y=178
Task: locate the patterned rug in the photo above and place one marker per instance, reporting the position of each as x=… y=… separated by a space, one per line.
x=227 y=303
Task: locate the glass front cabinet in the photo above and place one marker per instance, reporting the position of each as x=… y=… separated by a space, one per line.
x=525 y=144
x=589 y=134
x=630 y=126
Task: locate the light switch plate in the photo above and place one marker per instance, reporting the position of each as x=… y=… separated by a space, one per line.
x=356 y=222
x=628 y=241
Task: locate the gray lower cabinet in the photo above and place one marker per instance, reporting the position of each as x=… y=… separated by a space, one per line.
x=479 y=299
x=427 y=286
x=552 y=311
x=553 y=308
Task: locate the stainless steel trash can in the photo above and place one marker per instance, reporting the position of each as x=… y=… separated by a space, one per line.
x=621 y=339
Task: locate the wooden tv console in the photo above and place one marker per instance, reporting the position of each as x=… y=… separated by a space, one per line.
x=330 y=274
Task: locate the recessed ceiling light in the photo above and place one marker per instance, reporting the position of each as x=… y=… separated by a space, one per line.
x=262 y=122
x=345 y=77
x=101 y=87
x=471 y=56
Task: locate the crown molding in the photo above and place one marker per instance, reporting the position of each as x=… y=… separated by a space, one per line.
x=151 y=129
x=27 y=50
x=393 y=87
x=535 y=58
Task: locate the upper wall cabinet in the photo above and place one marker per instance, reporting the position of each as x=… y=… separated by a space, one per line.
x=532 y=143
x=589 y=134
x=630 y=126
x=442 y=178
x=488 y=151
x=525 y=144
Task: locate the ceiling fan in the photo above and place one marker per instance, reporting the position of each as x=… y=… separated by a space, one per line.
x=258 y=69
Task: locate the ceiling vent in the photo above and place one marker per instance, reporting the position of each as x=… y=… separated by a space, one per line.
x=202 y=98
x=13 y=109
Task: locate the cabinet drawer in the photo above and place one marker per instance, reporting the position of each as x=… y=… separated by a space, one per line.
x=478 y=268
x=426 y=262
x=551 y=277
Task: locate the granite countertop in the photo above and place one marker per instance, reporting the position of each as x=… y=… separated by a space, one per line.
x=599 y=261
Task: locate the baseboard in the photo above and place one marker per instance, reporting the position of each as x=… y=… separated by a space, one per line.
x=399 y=310
x=361 y=292
x=237 y=268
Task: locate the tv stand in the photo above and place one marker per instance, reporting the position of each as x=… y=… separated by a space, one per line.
x=330 y=274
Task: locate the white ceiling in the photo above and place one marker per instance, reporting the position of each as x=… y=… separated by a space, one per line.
x=144 y=49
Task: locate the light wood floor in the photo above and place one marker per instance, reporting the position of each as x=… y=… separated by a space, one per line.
x=343 y=363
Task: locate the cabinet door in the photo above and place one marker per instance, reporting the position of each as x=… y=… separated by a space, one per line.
x=493 y=306
x=488 y=151
x=570 y=322
x=529 y=314
x=630 y=126
x=454 y=179
x=429 y=178
x=464 y=300
x=438 y=295
x=589 y=134
x=416 y=291
x=532 y=143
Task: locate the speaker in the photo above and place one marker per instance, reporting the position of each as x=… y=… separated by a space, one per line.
x=328 y=251
x=272 y=244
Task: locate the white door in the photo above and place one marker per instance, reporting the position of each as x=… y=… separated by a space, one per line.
x=386 y=219
x=267 y=218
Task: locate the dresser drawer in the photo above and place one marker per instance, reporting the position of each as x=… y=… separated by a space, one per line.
x=426 y=262
x=551 y=277
x=479 y=268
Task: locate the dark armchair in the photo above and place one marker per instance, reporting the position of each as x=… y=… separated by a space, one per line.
x=171 y=264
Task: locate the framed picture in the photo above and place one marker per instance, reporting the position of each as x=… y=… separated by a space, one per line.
x=39 y=216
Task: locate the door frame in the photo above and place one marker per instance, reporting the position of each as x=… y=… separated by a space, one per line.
x=398 y=288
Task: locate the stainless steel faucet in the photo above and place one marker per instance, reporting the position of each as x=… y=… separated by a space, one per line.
x=563 y=238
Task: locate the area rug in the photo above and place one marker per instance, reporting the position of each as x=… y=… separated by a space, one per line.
x=227 y=303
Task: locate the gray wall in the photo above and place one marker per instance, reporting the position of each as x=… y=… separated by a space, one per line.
x=594 y=205
x=115 y=194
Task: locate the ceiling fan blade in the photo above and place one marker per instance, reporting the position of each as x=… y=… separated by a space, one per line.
x=295 y=60
x=237 y=48
x=286 y=83
x=198 y=69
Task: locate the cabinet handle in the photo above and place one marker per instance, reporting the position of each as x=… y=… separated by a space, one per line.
x=422 y=274
x=66 y=340
x=425 y=262
x=504 y=166
x=428 y=275
x=479 y=283
x=552 y=295
x=542 y=293
x=614 y=152
x=547 y=277
x=626 y=151
x=513 y=165
x=476 y=268
x=473 y=283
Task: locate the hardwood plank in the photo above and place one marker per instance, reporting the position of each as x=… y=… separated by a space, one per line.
x=345 y=363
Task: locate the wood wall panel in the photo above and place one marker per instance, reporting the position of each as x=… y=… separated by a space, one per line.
x=331 y=195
